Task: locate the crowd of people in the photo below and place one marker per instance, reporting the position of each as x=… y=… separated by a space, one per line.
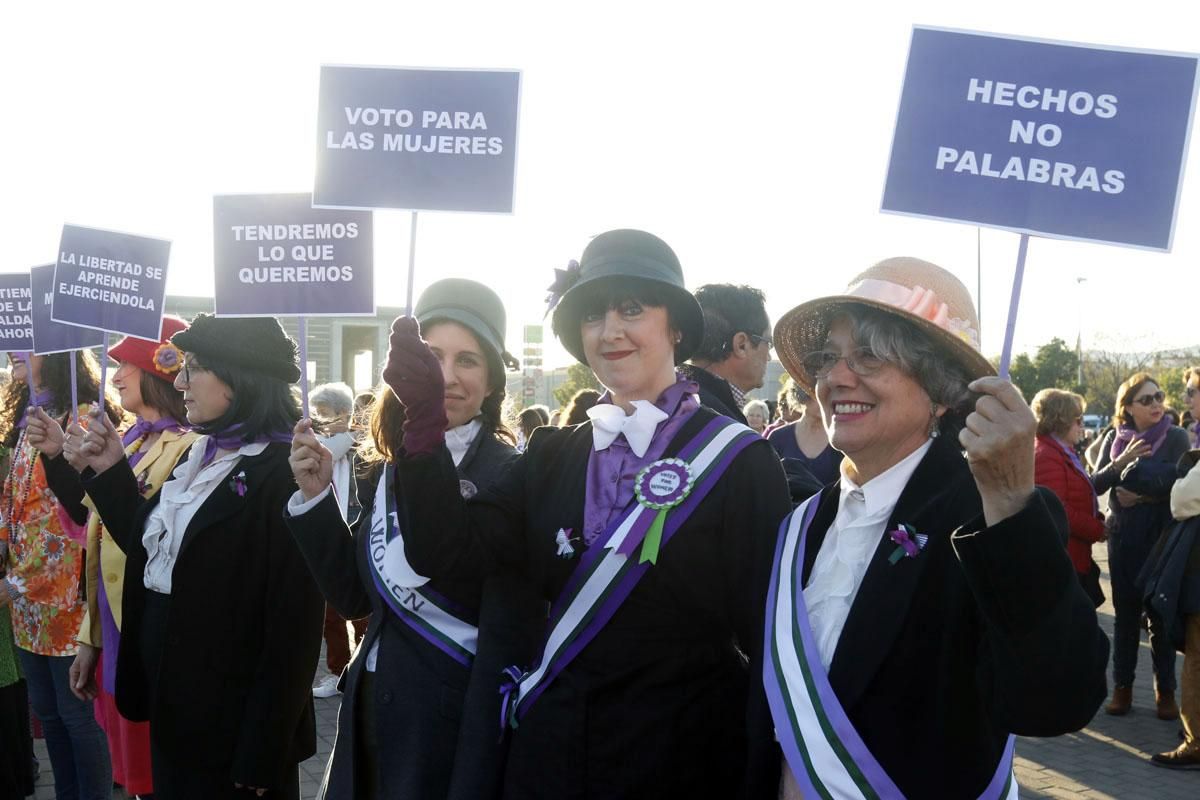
x=671 y=590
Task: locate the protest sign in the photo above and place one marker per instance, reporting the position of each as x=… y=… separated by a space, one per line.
x=417 y=139
x=50 y=336
x=277 y=255
x=16 y=314
x=1053 y=139
x=111 y=281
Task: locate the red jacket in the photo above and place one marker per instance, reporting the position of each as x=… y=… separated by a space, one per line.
x=1053 y=469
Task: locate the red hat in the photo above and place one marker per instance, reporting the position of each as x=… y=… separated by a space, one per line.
x=160 y=359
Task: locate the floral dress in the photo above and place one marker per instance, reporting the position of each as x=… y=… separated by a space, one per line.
x=45 y=559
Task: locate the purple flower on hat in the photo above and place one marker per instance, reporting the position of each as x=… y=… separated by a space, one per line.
x=167 y=358
x=909 y=543
x=564 y=279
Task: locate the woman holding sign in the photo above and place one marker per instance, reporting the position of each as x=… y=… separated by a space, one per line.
x=923 y=610
x=221 y=622
x=648 y=528
x=44 y=584
x=422 y=695
x=155 y=441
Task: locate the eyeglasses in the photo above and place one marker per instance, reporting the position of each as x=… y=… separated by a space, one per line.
x=1192 y=391
x=188 y=367
x=861 y=361
x=757 y=340
x=1148 y=400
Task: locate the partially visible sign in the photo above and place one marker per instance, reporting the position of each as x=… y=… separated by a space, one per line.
x=419 y=139
x=111 y=281
x=1055 y=139
x=50 y=336
x=277 y=255
x=16 y=313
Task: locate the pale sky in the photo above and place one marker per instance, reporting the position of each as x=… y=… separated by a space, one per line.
x=752 y=137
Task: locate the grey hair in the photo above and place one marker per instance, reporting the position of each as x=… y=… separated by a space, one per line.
x=902 y=343
x=337 y=397
x=759 y=406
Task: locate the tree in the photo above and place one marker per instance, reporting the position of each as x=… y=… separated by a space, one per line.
x=1054 y=366
x=579 y=376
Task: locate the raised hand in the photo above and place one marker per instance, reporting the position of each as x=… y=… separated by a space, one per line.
x=43 y=432
x=311 y=461
x=414 y=375
x=999 y=442
x=72 y=441
x=101 y=445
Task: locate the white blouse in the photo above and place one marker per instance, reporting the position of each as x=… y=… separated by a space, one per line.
x=846 y=552
x=179 y=500
x=458 y=442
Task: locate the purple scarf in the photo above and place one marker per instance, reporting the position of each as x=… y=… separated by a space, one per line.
x=1075 y=462
x=611 y=472
x=143 y=428
x=1154 y=436
x=41 y=399
x=230 y=439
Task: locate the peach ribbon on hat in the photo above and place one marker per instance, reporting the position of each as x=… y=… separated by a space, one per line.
x=918 y=301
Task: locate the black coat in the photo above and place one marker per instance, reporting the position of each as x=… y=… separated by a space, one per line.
x=986 y=632
x=715 y=392
x=437 y=722
x=655 y=705
x=234 y=691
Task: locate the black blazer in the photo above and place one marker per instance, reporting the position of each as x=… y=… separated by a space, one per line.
x=986 y=632
x=437 y=723
x=235 y=682
x=655 y=705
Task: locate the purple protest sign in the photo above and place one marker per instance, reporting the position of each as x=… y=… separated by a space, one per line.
x=111 y=281
x=276 y=255
x=50 y=336
x=16 y=315
x=417 y=139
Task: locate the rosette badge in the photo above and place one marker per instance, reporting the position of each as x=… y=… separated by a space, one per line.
x=660 y=487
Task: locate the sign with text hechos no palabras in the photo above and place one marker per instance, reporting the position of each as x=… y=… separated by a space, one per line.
x=16 y=313
x=1048 y=138
x=417 y=139
x=111 y=281
x=50 y=336
x=276 y=255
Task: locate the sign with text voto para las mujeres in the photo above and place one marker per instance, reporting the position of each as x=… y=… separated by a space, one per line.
x=111 y=281
x=1054 y=139
x=16 y=312
x=419 y=139
x=277 y=255
x=50 y=336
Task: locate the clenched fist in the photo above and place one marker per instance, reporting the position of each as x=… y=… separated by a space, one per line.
x=999 y=443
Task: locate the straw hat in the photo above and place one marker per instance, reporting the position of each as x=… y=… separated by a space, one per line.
x=924 y=294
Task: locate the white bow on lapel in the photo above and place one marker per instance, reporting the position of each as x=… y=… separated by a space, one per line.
x=610 y=421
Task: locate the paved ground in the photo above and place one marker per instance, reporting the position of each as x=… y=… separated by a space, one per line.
x=1107 y=759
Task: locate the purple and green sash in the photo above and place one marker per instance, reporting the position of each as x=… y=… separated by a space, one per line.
x=434 y=617
x=610 y=569
x=826 y=755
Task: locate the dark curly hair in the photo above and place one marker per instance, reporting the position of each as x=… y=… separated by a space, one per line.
x=55 y=374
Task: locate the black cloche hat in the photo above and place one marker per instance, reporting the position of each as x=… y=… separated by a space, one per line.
x=618 y=259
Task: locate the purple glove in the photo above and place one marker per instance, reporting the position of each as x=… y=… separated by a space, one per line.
x=414 y=375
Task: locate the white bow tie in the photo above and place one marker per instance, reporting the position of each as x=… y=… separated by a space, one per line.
x=609 y=421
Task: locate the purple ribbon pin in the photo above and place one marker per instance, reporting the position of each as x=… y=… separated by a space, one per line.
x=909 y=543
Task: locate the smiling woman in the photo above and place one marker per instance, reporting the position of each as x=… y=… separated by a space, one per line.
x=651 y=521
x=919 y=561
